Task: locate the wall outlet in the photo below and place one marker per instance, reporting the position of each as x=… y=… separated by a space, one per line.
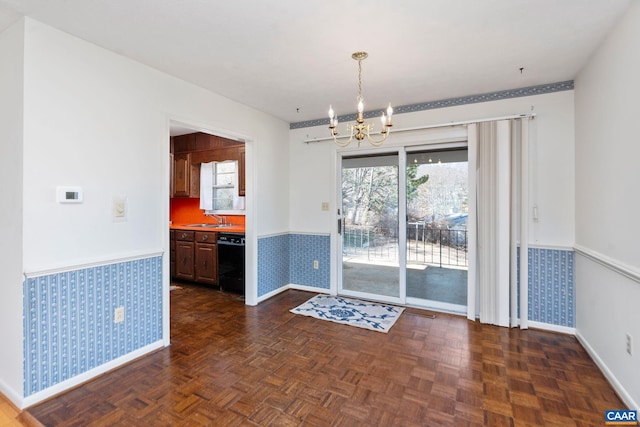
x=316 y=265
x=118 y=315
x=325 y=206
x=630 y=345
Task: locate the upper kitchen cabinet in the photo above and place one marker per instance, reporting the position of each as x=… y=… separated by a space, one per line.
x=241 y=180
x=186 y=176
x=191 y=150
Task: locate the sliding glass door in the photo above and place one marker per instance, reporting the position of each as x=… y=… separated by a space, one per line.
x=404 y=235
x=436 y=244
x=369 y=228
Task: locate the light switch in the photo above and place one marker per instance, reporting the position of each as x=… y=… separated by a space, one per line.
x=119 y=208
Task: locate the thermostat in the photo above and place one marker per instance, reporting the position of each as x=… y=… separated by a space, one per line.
x=69 y=194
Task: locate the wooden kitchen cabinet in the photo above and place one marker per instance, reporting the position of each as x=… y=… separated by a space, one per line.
x=206 y=258
x=191 y=150
x=172 y=253
x=241 y=169
x=196 y=256
x=185 y=246
x=186 y=176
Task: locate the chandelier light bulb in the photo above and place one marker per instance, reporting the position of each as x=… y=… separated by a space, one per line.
x=331 y=114
x=360 y=106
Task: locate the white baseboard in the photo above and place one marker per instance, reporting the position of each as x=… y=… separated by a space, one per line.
x=86 y=376
x=617 y=386
x=10 y=394
x=553 y=328
x=292 y=286
x=309 y=289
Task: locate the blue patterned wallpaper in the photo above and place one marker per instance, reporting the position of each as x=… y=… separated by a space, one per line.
x=288 y=259
x=552 y=294
x=68 y=319
x=306 y=248
x=273 y=263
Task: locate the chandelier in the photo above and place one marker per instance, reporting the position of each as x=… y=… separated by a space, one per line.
x=361 y=130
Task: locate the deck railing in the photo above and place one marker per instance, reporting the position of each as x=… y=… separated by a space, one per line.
x=425 y=244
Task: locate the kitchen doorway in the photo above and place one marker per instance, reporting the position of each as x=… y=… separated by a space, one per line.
x=191 y=203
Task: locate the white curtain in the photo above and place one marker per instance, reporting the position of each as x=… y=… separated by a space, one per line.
x=206 y=186
x=498 y=163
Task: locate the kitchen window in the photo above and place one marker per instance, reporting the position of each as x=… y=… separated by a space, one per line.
x=219 y=188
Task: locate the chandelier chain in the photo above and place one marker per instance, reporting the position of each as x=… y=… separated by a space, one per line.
x=359 y=79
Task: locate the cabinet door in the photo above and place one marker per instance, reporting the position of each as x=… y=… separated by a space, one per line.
x=184 y=260
x=194 y=181
x=181 y=175
x=172 y=254
x=241 y=169
x=206 y=263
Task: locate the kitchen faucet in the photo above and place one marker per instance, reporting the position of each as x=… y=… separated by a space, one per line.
x=221 y=219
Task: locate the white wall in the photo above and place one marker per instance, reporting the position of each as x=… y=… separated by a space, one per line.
x=98 y=120
x=313 y=172
x=11 y=85
x=607 y=203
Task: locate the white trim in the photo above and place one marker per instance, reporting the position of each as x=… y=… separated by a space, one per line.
x=282 y=233
x=272 y=293
x=88 y=375
x=310 y=233
x=443 y=307
x=15 y=398
x=309 y=288
x=610 y=263
x=568 y=248
x=524 y=225
x=295 y=287
x=402 y=223
x=472 y=229
x=618 y=387
x=552 y=328
x=440 y=125
x=90 y=264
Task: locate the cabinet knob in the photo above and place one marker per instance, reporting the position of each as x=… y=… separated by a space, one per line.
x=184 y=235
x=205 y=237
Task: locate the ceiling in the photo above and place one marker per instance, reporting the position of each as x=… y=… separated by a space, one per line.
x=292 y=58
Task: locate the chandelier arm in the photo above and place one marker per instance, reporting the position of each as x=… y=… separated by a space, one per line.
x=377 y=143
x=342 y=144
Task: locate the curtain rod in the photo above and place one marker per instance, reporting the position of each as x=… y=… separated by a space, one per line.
x=442 y=125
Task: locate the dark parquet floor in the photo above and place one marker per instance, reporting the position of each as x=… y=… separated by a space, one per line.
x=233 y=365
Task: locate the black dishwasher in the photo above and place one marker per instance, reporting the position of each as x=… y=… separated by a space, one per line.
x=231 y=262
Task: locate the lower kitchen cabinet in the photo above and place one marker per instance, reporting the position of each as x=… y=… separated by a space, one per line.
x=185 y=246
x=195 y=257
x=206 y=265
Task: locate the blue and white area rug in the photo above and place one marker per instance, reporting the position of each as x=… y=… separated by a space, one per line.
x=362 y=314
